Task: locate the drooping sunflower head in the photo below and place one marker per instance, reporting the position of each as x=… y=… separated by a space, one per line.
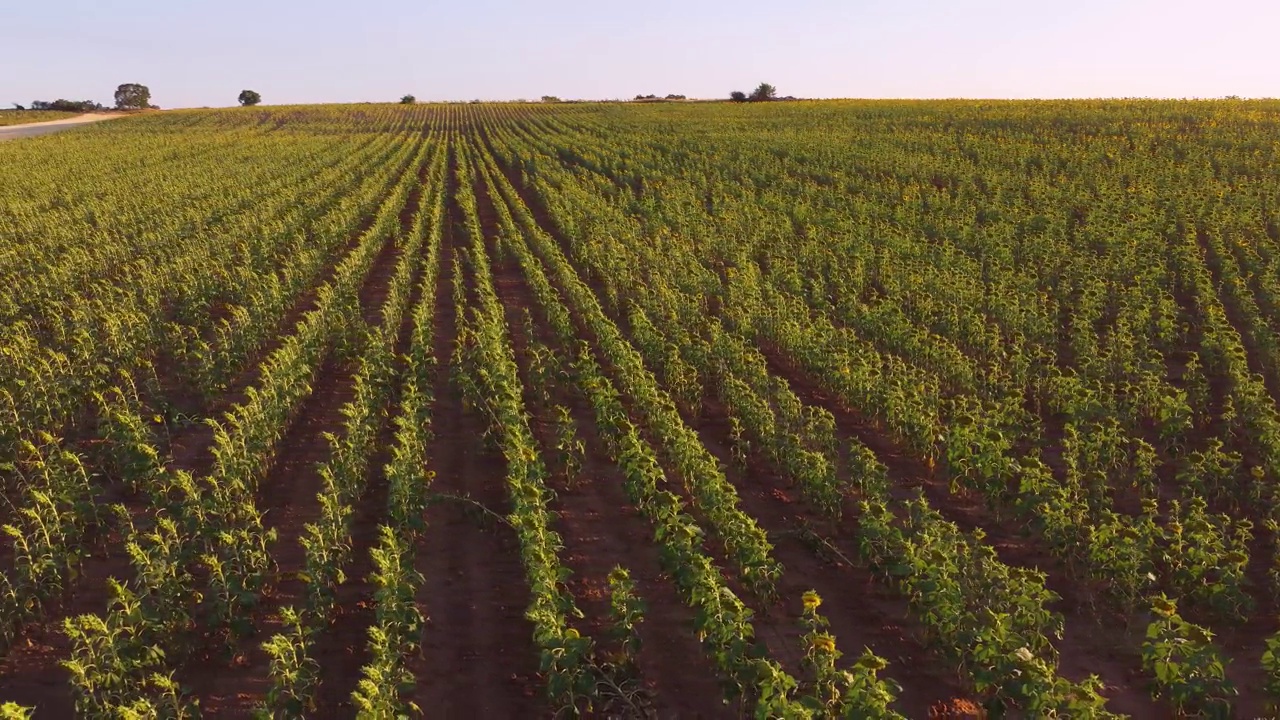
x=811 y=600
x=824 y=643
x=1164 y=607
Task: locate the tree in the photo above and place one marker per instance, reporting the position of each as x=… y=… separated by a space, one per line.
x=18 y=106
x=61 y=105
x=132 y=96
x=408 y=100
x=764 y=92
x=738 y=96
x=249 y=98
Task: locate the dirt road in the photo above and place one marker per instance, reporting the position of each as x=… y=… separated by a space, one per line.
x=13 y=132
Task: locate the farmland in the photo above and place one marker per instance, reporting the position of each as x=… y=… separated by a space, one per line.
x=859 y=409
x=23 y=117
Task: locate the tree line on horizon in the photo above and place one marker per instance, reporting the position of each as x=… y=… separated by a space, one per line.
x=135 y=96
x=763 y=93
x=129 y=96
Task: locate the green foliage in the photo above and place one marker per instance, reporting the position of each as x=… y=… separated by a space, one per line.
x=294 y=673
x=14 y=711
x=249 y=98
x=626 y=610
x=1271 y=666
x=1189 y=671
x=132 y=96
x=832 y=692
x=1062 y=313
x=763 y=93
x=62 y=105
x=570 y=449
x=116 y=663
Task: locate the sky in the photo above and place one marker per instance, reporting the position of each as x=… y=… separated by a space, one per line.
x=194 y=53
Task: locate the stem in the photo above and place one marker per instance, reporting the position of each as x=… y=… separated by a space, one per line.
x=467 y=500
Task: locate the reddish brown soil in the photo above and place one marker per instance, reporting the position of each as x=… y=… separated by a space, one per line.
x=31 y=673
x=601 y=530
x=342 y=649
x=1087 y=647
x=191 y=445
x=862 y=611
x=478 y=658
x=288 y=501
x=1243 y=642
x=779 y=626
x=31 y=670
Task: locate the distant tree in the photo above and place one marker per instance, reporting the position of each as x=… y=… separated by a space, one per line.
x=764 y=92
x=674 y=96
x=132 y=96
x=249 y=98
x=408 y=100
x=17 y=106
x=62 y=105
x=738 y=96
x=550 y=99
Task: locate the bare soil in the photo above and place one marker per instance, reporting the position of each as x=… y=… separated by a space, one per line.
x=478 y=658
x=601 y=530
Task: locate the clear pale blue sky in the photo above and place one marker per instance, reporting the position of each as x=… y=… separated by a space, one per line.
x=204 y=52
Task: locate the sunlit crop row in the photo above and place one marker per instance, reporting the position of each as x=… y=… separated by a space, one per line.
x=1016 y=362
